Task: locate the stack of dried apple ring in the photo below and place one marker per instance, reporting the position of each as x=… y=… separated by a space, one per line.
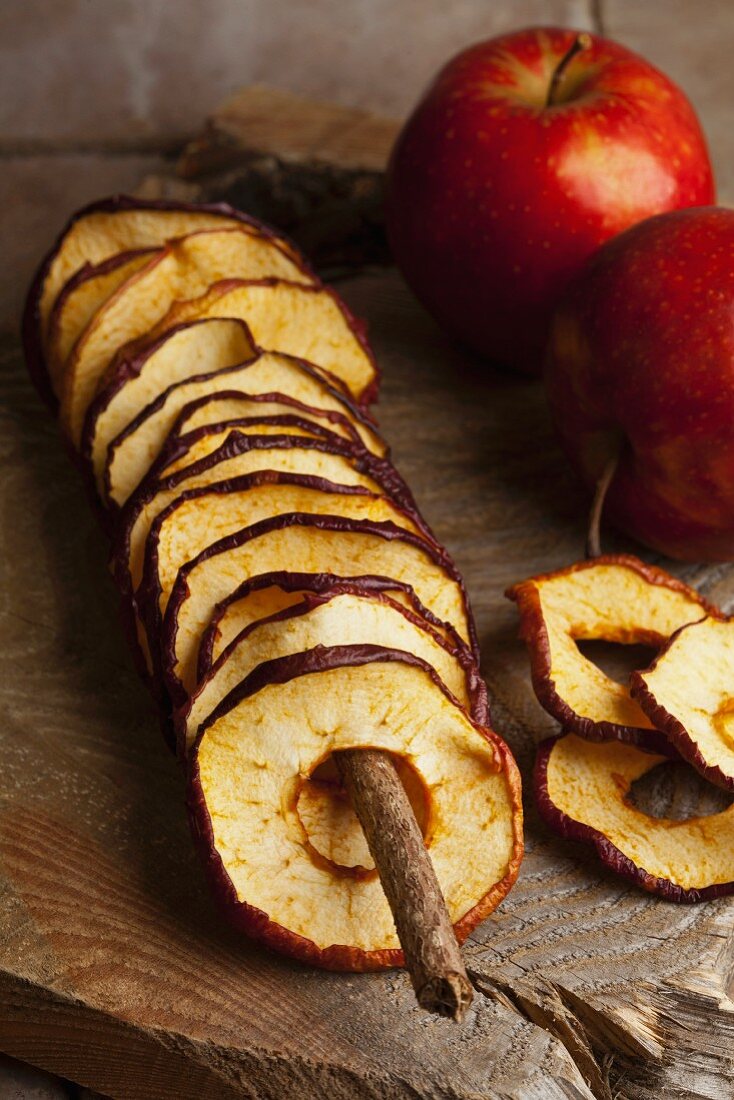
x=680 y=708
x=283 y=595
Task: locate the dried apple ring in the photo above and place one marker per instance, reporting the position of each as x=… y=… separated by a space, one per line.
x=264 y=845
x=347 y=616
x=186 y=266
x=582 y=789
x=688 y=694
x=615 y=598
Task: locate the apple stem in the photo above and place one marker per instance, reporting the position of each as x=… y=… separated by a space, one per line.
x=581 y=42
x=422 y=921
x=593 y=537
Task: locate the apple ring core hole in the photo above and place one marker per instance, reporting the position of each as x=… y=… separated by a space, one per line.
x=673 y=790
x=617 y=659
x=331 y=830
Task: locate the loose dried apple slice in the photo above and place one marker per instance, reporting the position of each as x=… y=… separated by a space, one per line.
x=617 y=598
x=276 y=843
x=269 y=593
x=582 y=789
x=103 y=229
x=79 y=300
x=182 y=268
x=345 y=616
x=308 y=543
x=312 y=323
x=130 y=418
x=197 y=518
x=688 y=694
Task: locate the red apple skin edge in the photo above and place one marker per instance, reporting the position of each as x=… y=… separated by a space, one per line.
x=641 y=364
x=495 y=199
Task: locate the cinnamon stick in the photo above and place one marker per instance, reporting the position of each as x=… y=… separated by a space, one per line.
x=432 y=954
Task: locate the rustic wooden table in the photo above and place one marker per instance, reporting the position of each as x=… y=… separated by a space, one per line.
x=115 y=970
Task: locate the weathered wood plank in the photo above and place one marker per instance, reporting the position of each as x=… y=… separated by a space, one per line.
x=691 y=44
x=106 y=926
x=114 y=968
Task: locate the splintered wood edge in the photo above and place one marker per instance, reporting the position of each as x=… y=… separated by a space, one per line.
x=669 y=1034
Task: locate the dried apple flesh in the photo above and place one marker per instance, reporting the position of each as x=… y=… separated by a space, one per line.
x=228 y=406
x=311 y=545
x=582 y=791
x=688 y=694
x=615 y=599
x=128 y=456
x=218 y=512
x=270 y=593
x=76 y=305
x=184 y=268
x=347 y=618
x=100 y=234
x=245 y=802
x=309 y=323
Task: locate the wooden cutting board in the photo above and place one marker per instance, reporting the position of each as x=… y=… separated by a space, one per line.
x=115 y=969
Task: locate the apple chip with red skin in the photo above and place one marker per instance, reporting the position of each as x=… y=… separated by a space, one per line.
x=184 y=267
x=285 y=853
x=582 y=793
x=103 y=230
x=80 y=299
x=310 y=543
x=268 y=594
x=688 y=694
x=145 y=394
x=616 y=598
x=199 y=517
x=347 y=615
x=238 y=455
x=311 y=322
x=234 y=407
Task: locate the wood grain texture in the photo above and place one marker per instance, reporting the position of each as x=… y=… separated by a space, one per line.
x=115 y=969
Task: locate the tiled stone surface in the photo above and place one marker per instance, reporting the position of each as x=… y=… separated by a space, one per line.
x=142 y=71
x=37 y=194
x=692 y=42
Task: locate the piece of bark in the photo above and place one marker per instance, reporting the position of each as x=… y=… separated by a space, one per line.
x=432 y=955
x=292 y=128
x=314 y=170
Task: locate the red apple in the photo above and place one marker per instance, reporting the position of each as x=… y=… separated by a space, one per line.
x=527 y=153
x=641 y=365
